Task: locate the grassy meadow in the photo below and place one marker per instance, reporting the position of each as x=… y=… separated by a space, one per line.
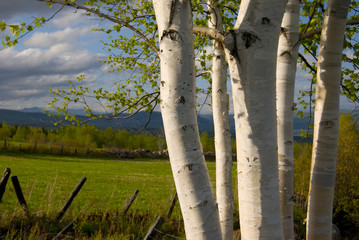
x=48 y=180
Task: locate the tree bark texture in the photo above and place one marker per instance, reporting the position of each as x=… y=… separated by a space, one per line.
x=286 y=70
x=178 y=101
x=222 y=133
x=326 y=122
x=251 y=51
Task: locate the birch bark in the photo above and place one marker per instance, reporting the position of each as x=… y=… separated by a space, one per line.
x=224 y=187
x=326 y=122
x=178 y=91
x=286 y=70
x=251 y=51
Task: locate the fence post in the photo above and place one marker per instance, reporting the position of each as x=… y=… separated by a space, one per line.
x=72 y=196
x=173 y=204
x=160 y=220
x=129 y=202
x=63 y=231
x=153 y=230
x=19 y=194
x=4 y=178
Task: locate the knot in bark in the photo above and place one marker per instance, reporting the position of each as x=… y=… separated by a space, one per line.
x=171 y=34
x=249 y=38
x=181 y=99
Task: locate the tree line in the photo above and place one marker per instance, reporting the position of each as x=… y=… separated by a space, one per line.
x=85 y=138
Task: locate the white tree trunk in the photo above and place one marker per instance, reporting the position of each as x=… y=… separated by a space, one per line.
x=326 y=122
x=223 y=147
x=286 y=69
x=252 y=52
x=178 y=91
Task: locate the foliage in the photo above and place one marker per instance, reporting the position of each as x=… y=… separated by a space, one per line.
x=5 y=131
x=207 y=142
x=312 y=16
x=302 y=161
x=20 y=30
x=88 y=137
x=82 y=138
x=346 y=200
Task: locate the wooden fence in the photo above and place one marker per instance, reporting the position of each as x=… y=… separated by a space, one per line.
x=152 y=231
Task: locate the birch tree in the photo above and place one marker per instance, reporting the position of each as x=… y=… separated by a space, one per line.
x=252 y=45
x=178 y=91
x=326 y=122
x=286 y=71
x=224 y=188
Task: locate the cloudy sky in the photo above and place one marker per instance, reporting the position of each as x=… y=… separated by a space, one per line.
x=51 y=55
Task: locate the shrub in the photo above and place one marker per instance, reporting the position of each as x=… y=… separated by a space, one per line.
x=346 y=200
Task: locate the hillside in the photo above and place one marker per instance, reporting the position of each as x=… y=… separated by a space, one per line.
x=34 y=117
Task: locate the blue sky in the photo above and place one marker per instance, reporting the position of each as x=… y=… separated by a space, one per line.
x=50 y=56
x=61 y=50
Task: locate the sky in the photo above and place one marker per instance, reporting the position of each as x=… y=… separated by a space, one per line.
x=60 y=51
x=49 y=56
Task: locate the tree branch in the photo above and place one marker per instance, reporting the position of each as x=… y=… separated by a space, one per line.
x=108 y=17
x=47 y=20
x=210 y=33
x=311 y=17
x=345 y=89
x=307 y=63
x=319 y=30
x=203 y=73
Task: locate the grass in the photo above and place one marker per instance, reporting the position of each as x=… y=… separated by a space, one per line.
x=48 y=180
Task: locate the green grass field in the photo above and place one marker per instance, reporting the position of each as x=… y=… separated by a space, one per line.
x=48 y=180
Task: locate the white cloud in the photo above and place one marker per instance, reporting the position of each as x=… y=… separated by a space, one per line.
x=46 y=39
x=58 y=59
x=49 y=56
x=70 y=17
x=53 y=58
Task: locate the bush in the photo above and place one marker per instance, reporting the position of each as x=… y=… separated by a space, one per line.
x=346 y=199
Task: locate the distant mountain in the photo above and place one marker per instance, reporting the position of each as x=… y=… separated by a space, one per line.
x=34 y=119
x=153 y=123
x=33 y=110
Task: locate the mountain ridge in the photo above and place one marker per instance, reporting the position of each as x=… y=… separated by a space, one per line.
x=36 y=118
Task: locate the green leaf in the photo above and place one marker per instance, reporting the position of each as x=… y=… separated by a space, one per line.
x=2 y=25
x=37 y=22
x=29 y=28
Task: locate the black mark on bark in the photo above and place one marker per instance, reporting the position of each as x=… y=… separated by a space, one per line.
x=189 y=167
x=288 y=53
x=249 y=39
x=265 y=20
x=327 y=124
x=171 y=34
x=181 y=99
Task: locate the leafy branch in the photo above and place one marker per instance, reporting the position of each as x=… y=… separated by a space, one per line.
x=108 y=17
x=23 y=29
